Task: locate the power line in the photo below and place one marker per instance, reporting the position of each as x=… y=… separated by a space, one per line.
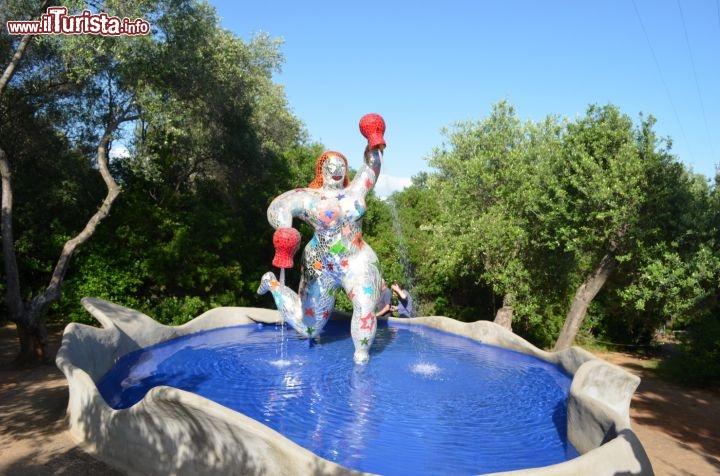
x=662 y=78
x=697 y=83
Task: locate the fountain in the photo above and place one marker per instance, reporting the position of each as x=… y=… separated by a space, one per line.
x=403 y=253
x=216 y=396
x=337 y=256
x=174 y=431
x=358 y=416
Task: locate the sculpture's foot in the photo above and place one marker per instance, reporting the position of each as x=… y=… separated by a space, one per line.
x=266 y=282
x=361 y=357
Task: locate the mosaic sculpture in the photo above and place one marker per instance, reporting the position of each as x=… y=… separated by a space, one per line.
x=336 y=256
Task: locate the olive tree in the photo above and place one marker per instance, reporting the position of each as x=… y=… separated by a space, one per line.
x=89 y=87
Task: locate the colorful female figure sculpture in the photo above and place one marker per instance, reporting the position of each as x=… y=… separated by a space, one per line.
x=337 y=256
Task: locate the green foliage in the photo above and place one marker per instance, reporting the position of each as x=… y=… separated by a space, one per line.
x=488 y=187
x=103 y=278
x=513 y=211
x=212 y=142
x=698 y=362
x=526 y=212
x=669 y=277
x=51 y=206
x=671 y=286
x=176 y=311
x=413 y=208
x=342 y=303
x=383 y=235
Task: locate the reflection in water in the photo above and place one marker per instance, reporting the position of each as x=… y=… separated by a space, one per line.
x=450 y=404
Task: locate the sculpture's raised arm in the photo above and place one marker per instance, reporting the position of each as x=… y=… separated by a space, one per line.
x=367 y=176
x=372 y=127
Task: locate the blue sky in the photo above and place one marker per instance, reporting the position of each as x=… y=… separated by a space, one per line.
x=425 y=65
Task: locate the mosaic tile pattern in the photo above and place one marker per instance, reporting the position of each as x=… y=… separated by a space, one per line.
x=337 y=256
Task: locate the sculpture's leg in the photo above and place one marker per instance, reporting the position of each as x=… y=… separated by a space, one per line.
x=287 y=301
x=308 y=312
x=364 y=293
x=318 y=300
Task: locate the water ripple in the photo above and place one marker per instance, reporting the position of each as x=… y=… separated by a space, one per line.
x=452 y=405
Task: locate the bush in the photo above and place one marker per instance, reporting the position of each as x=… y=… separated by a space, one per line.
x=178 y=310
x=95 y=277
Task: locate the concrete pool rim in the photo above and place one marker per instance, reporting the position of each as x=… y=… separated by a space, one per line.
x=176 y=432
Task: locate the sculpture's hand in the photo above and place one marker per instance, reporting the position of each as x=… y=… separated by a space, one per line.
x=286 y=242
x=372 y=127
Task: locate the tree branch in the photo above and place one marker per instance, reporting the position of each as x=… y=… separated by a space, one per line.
x=19 y=53
x=52 y=293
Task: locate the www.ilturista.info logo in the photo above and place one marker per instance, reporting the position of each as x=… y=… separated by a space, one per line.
x=57 y=22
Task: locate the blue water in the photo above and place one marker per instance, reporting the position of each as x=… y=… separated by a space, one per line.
x=427 y=403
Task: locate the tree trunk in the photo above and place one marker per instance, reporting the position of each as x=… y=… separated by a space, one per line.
x=12 y=280
x=30 y=316
x=19 y=53
x=32 y=332
x=33 y=343
x=584 y=295
x=504 y=315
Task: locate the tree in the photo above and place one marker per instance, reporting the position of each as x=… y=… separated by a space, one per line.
x=214 y=144
x=597 y=190
x=667 y=278
x=88 y=86
x=97 y=87
x=473 y=176
x=489 y=184
x=543 y=215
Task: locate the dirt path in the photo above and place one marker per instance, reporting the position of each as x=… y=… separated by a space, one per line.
x=679 y=428
x=33 y=440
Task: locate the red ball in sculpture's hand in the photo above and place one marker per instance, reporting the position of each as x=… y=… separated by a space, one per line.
x=286 y=242
x=372 y=127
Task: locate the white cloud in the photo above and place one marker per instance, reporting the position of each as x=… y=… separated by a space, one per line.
x=119 y=152
x=387 y=184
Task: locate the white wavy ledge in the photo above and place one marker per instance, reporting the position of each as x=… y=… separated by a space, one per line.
x=173 y=432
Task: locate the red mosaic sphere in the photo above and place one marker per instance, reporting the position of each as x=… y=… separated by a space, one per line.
x=286 y=242
x=372 y=127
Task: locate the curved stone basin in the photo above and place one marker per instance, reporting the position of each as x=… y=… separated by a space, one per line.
x=176 y=432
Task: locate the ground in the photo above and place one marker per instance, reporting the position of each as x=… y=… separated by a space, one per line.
x=679 y=427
